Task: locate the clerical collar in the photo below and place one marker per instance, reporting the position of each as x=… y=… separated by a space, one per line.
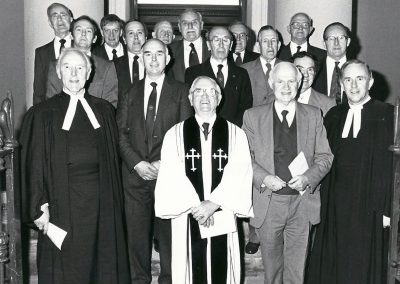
x=293 y=47
x=210 y=120
x=73 y=102
x=305 y=96
x=354 y=115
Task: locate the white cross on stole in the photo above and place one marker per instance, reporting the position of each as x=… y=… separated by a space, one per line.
x=220 y=156
x=192 y=156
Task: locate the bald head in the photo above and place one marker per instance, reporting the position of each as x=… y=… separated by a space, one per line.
x=285 y=80
x=300 y=27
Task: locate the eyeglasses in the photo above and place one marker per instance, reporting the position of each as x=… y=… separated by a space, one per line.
x=63 y=16
x=298 y=25
x=217 y=40
x=341 y=38
x=240 y=36
x=210 y=93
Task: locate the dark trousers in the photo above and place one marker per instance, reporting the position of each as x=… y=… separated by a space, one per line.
x=139 y=224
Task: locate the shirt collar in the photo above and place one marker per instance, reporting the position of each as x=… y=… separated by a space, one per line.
x=196 y=43
x=109 y=49
x=330 y=60
x=210 y=120
x=158 y=81
x=305 y=96
x=264 y=62
x=132 y=55
x=293 y=47
x=215 y=64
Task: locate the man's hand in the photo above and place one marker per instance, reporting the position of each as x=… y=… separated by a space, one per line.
x=386 y=221
x=274 y=183
x=299 y=183
x=156 y=164
x=203 y=213
x=43 y=221
x=146 y=170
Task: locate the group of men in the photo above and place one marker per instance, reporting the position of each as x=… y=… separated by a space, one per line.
x=210 y=131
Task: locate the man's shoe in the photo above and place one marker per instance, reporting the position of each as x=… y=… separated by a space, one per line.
x=251 y=248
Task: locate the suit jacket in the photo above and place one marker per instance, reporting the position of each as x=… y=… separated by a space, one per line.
x=311 y=140
x=262 y=92
x=173 y=107
x=100 y=51
x=123 y=74
x=43 y=56
x=286 y=55
x=102 y=83
x=177 y=67
x=236 y=96
x=248 y=56
x=321 y=101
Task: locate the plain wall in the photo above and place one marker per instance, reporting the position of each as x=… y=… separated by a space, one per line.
x=12 y=74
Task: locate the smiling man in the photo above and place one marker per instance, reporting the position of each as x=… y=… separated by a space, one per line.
x=285 y=202
x=144 y=115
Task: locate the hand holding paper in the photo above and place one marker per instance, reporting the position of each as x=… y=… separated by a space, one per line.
x=56 y=235
x=297 y=168
x=224 y=223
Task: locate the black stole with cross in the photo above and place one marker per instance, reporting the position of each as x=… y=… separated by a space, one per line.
x=193 y=168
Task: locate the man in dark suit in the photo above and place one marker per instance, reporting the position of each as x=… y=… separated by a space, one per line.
x=307 y=64
x=233 y=80
x=130 y=68
x=112 y=48
x=241 y=34
x=336 y=41
x=103 y=81
x=300 y=29
x=192 y=49
x=144 y=115
x=286 y=200
x=60 y=18
x=259 y=69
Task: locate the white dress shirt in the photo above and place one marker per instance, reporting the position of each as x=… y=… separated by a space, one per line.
x=305 y=96
x=198 y=45
x=57 y=44
x=241 y=55
x=291 y=108
x=224 y=70
x=330 y=66
x=141 y=65
x=264 y=62
x=293 y=47
x=147 y=91
x=109 y=49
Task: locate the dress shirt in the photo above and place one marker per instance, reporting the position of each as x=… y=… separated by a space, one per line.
x=293 y=47
x=330 y=66
x=264 y=62
x=147 y=91
x=198 y=45
x=354 y=115
x=305 y=96
x=206 y=154
x=141 y=65
x=109 y=49
x=224 y=70
x=291 y=108
x=241 y=55
x=57 y=44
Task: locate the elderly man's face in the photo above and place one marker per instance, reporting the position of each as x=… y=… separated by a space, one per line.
x=190 y=26
x=205 y=98
x=299 y=28
x=307 y=68
x=83 y=34
x=135 y=36
x=73 y=72
x=60 y=20
x=219 y=42
x=356 y=82
x=336 y=42
x=112 y=33
x=269 y=44
x=164 y=32
x=240 y=34
x=284 y=82
x=154 y=58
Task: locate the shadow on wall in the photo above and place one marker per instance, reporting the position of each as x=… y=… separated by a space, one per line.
x=380 y=90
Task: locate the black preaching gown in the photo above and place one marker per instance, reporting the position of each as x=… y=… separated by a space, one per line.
x=77 y=173
x=350 y=244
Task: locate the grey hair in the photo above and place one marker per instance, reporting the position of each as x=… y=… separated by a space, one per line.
x=66 y=51
x=272 y=73
x=216 y=86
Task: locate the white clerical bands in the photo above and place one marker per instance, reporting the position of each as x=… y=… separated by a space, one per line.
x=69 y=116
x=354 y=115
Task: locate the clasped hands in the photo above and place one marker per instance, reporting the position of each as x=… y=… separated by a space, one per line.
x=203 y=213
x=274 y=183
x=43 y=221
x=148 y=171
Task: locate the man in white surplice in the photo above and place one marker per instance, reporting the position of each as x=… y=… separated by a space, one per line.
x=204 y=183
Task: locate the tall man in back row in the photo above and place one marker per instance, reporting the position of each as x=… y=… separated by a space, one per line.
x=286 y=202
x=203 y=184
x=144 y=115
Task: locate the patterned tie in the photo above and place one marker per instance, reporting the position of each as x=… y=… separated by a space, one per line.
x=298 y=49
x=220 y=76
x=62 y=41
x=151 y=114
x=193 y=57
x=114 y=52
x=135 y=69
x=268 y=71
x=238 y=60
x=335 y=90
x=205 y=129
x=284 y=120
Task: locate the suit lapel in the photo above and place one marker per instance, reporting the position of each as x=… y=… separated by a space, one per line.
x=205 y=52
x=302 y=127
x=163 y=102
x=231 y=80
x=268 y=137
x=137 y=104
x=259 y=73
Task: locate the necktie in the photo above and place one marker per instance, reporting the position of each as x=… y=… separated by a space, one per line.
x=298 y=49
x=62 y=46
x=205 y=129
x=238 y=60
x=193 y=57
x=151 y=113
x=69 y=116
x=220 y=76
x=284 y=120
x=335 y=90
x=114 y=52
x=268 y=71
x=135 y=69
